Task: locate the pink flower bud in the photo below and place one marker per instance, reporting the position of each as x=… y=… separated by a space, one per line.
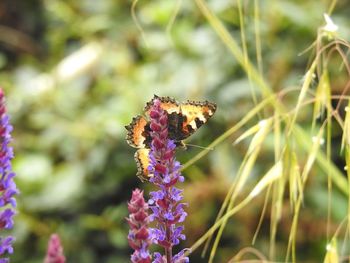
x=55 y=251
x=139 y=238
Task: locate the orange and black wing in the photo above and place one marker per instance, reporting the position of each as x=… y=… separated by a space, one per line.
x=193 y=114
x=168 y=104
x=142 y=162
x=138 y=132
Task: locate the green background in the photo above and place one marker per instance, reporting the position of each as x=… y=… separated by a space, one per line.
x=76 y=72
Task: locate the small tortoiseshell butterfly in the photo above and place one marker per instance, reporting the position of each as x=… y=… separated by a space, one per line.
x=183 y=120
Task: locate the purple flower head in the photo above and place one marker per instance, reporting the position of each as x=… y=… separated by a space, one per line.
x=159 y=258
x=139 y=237
x=54 y=251
x=6 y=245
x=6 y=220
x=180 y=257
x=165 y=203
x=8 y=187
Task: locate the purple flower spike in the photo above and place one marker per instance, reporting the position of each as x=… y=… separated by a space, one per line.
x=8 y=187
x=164 y=203
x=139 y=238
x=55 y=251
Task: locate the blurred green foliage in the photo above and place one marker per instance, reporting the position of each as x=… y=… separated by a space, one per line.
x=76 y=72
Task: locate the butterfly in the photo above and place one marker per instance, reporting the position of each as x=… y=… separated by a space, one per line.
x=183 y=120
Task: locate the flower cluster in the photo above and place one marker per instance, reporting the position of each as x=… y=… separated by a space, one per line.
x=138 y=220
x=165 y=204
x=55 y=251
x=7 y=186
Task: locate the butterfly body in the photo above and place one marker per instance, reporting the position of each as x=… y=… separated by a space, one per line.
x=183 y=120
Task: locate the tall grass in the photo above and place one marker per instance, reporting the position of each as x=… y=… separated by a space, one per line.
x=301 y=153
x=287 y=169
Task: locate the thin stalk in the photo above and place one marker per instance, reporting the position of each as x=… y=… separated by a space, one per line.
x=257 y=36
x=168 y=251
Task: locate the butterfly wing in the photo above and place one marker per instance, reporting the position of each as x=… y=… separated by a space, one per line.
x=193 y=114
x=142 y=162
x=168 y=104
x=138 y=132
x=183 y=120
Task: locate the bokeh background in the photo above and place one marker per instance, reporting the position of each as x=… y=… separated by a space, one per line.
x=76 y=72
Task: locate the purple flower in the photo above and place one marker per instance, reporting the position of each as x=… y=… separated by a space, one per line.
x=5 y=245
x=139 y=238
x=8 y=187
x=54 y=251
x=6 y=220
x=158 y=258
x=164 y=203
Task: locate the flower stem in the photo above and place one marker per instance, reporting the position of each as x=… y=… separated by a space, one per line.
x=168 y=250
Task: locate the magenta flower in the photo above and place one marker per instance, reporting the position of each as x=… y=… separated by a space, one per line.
x=139 y=238
x=54 y=251
x=165 y=204
x=8 y=187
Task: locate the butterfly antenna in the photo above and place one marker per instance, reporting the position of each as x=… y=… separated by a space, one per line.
x=201 y=147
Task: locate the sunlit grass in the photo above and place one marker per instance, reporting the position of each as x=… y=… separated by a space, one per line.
x=285 y=150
